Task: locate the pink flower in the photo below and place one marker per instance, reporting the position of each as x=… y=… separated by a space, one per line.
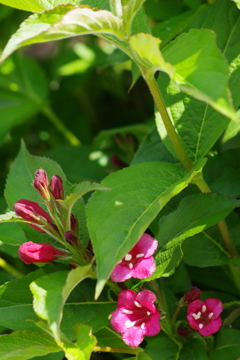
x=204 y=316
x=136 y=316
x=138 y=263
x=30 y=253
x=56 y=185
x=31 y=211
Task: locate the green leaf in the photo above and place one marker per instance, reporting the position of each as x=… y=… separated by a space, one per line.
x=118 y=218
x=116 y=7
x=143 y=356
x=69 y=158
x=153 y=149
x=108 y=337
x=140 y=23
x=200 y=59
x=9 y=216
x=11 y=234
x=36 y=5
x=85 y=340
x=91 y=313
x=227 y=345
x=76 y=191
x=198 y=125
x=230 y=139
x=25 y=345
x=51 y=292
x=222 y=177
x=21 y=175
x=129 y=11
x=204 y=250
x=62 y=22
x=201 y=69
x=193 y=349
x=14 y=110
x=162 y=344
x=146 y=53
x=237 y=3
x=194 y=214
x=169 y=29
x=16 y=311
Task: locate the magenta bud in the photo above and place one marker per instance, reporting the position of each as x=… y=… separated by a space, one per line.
x=42 y=189
x=70 y=237
x=56 y=185
x=41 y=174
x=41 y=184
x=30 y=253
x=183 y=331
x=31 y=211
x=192 y=295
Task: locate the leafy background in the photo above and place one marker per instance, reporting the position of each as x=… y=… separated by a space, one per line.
x=71 y=101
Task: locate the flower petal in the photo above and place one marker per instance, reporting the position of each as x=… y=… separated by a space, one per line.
x=146 y=298
x=118 y=320
x=144 y=269
x=133 y=336
x=211 y=328
x=195 y=306
x=192 y=322
x=146 y=245
x=121 y=273
x=126 y=299
x=215 y=306
x=153 y=325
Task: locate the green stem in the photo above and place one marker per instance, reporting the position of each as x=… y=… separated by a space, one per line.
x=73 y=140
x=151 y=82
x=117 y=350
x=10 y=269
x=202 y=185
x=114 y=286
x=199 y=181
x=176 y=313
x=231 y=318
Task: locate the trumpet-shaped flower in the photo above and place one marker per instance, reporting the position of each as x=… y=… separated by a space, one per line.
x=139 y=262
x=204 y=316
x=30 y=253
x=136 y=316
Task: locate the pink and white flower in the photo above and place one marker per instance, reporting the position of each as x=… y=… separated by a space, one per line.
x=136 y=316
x=204 y=316
x=139 y=262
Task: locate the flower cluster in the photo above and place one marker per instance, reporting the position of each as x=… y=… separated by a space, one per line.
x=51 y=223
x=136 y=315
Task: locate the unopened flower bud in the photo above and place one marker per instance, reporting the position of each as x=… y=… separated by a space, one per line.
x=192 y=295
x=56 y=185
x=41 y=189
x=183 y=331
x=70 y=237
x=41 y=174
x=31 y=211
x=30 y=253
